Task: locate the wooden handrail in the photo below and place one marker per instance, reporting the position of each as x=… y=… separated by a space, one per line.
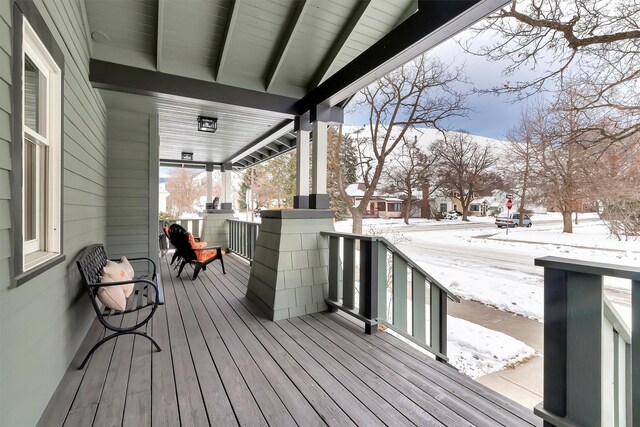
x=592 y=358
x=394 y=249
x=371 y=307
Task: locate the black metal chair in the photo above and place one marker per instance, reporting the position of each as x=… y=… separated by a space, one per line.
x=147 y=292
x=198 y=257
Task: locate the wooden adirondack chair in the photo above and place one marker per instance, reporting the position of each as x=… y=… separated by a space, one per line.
x=191 y=252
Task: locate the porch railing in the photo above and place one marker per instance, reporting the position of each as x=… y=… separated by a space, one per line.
x=242 y=237
x=591 y=358
x=192 y=225
x=381 y=296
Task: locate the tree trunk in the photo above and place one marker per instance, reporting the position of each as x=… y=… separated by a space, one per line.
x=429 y=214
x=576 y=221
x=465 y=213
x=567 y=225
x=357 y=221
x=521 y=208
x=425 y=208
x=407 y=210
x=407 y=207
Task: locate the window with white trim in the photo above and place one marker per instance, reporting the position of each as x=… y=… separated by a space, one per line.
x=41 y=151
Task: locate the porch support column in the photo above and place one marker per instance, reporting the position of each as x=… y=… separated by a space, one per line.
x=320 y=116
x=215 y=227
x=290 y=269
x=209 y=169
x=302 y=127
x=227 y=196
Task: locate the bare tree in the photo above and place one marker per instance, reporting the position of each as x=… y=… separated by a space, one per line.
x=464 y=168
x=562 y=156
x=416 y=94
x=408 y=169
x=519 y=167
x=614 y=184
x=593 y=43
x=185 y=187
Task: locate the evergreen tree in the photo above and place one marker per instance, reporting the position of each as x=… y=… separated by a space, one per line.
x=245 y=185
x=342 y=161
x=274 y=182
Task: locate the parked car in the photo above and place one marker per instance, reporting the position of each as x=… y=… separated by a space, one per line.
x=452 y=215
x=512 y=220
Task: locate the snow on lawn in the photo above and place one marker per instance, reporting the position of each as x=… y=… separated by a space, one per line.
x=476 y=351
x=345 y=226
x=487 y=266
x=592 y=235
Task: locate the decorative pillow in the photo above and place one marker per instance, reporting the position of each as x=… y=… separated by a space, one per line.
x=126 y=265
x=112 y=297
x=119 y=272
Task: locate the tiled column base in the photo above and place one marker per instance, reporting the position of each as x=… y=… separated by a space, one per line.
x=289 y=274
x=216 y=229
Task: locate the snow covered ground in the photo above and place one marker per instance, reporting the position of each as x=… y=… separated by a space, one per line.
x=479 y=262
x=474 y=350
x=477 y=351
x=484 y=264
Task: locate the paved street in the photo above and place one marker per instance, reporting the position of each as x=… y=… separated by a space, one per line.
x=442 y=251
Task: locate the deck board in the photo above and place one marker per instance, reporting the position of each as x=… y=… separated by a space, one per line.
x=164 y=400
x=271 y=374
x=191 y=405
x=223 y=363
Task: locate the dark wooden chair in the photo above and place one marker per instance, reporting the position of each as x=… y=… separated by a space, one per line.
x=199 y=257
x=147 y=292
x=176 y=254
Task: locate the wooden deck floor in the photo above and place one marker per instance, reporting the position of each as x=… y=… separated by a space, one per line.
x=223 y=363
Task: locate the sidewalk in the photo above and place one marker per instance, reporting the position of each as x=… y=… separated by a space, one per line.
x=523 y=383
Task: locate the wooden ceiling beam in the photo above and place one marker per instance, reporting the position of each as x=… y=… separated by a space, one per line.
x=263 y=152
x=285 y=43
x=159 y=35
x=410 y=10
x=224 y=52
x=123 y=78
x=434 y=22
x=339 y=43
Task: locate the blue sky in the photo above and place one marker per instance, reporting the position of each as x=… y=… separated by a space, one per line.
x=491 y=116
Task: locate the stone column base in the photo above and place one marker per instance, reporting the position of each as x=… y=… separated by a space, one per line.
x=289 y=273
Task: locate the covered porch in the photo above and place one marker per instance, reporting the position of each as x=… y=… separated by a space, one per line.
x=224 y=363
x=243 y=348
